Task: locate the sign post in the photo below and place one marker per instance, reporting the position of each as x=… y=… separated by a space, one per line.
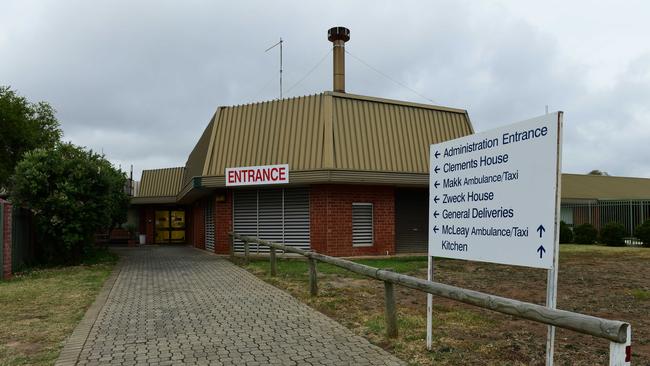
x=551 y=281
x=494 y=197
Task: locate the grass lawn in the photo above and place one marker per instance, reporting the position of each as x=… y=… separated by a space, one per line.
x=40 y=307
x=602 y=281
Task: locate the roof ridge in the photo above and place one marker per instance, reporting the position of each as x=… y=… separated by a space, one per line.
x=605 y=176
x=272 y=100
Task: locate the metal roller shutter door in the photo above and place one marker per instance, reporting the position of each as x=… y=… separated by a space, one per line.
x=296 y=218
x=209 y=226
x=245 y=215
x=280 y=215
x=269 y=218
x=411 y=221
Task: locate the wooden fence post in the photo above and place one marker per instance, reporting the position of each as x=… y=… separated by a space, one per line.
x=616 y=331
x=391 y=311
x=273 y=263
x=246 y=251
x=313 y=284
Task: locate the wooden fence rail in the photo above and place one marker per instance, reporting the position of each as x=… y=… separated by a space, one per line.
x=612 y=330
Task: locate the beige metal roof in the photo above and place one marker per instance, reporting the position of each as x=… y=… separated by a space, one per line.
x=196 y=161
x=161 y=182
x=591 y=187
x=331 y=131
x=372 y=135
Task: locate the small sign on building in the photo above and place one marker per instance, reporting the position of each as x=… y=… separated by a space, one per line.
x=257 y=175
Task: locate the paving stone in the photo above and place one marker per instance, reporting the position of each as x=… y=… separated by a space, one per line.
x=177 y=305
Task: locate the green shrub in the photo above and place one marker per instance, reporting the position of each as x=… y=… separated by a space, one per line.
x=585 y=234
x=72 y=193
x=612 y=234
x=642 y=233
x=566 y=235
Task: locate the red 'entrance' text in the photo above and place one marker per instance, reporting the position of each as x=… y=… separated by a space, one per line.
x=257 y=175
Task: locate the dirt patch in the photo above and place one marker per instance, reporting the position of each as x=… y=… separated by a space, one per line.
x=600 y=282
x=341 y=282
x=24 y=347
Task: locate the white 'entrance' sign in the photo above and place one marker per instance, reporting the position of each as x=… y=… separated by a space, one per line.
x=257 y=175
x=493 y=195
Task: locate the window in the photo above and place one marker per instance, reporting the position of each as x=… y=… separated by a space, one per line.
x=362 y=224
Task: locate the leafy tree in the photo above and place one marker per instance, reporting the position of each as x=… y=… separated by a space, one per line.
x=72 y=193
x=598 y=172
x=612 y=234
x=23 y=126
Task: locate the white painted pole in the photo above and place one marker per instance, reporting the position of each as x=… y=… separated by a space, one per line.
x=551 y=280
x=429 y=305
x=551 y=296
x=620 y=354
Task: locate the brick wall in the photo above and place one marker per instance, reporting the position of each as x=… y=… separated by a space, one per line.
x=223 y=223
x=6 y=240
x=198 y=227
x=331 y=219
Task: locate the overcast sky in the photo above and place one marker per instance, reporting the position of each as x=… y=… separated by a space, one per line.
x=139 y=80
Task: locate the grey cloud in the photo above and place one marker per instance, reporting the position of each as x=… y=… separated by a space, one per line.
x=142 y=79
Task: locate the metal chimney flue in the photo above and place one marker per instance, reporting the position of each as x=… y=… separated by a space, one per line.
x=338 y=36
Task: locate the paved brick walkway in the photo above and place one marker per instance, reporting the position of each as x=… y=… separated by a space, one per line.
x=178 y=305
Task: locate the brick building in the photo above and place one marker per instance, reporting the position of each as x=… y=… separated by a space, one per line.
x=357 y=174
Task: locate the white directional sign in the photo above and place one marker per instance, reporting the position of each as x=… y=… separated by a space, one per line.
x=493 y=194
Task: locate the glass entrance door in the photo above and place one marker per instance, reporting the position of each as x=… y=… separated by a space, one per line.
x=170 y=226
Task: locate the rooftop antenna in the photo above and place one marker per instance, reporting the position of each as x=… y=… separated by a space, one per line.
x=547 y=109
x=270 y=48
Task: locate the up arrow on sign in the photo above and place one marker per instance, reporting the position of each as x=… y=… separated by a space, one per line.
x=540 y=229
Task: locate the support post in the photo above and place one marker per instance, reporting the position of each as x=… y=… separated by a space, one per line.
x=620 y=354
x=391 y=311
x=246 y=251
x=551 y=302
x=551 y=278
x=429 y=305
x=273 y=263
x=232 y=248
x=313 y=284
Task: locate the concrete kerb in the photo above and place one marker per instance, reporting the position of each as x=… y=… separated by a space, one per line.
x=74 y=344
